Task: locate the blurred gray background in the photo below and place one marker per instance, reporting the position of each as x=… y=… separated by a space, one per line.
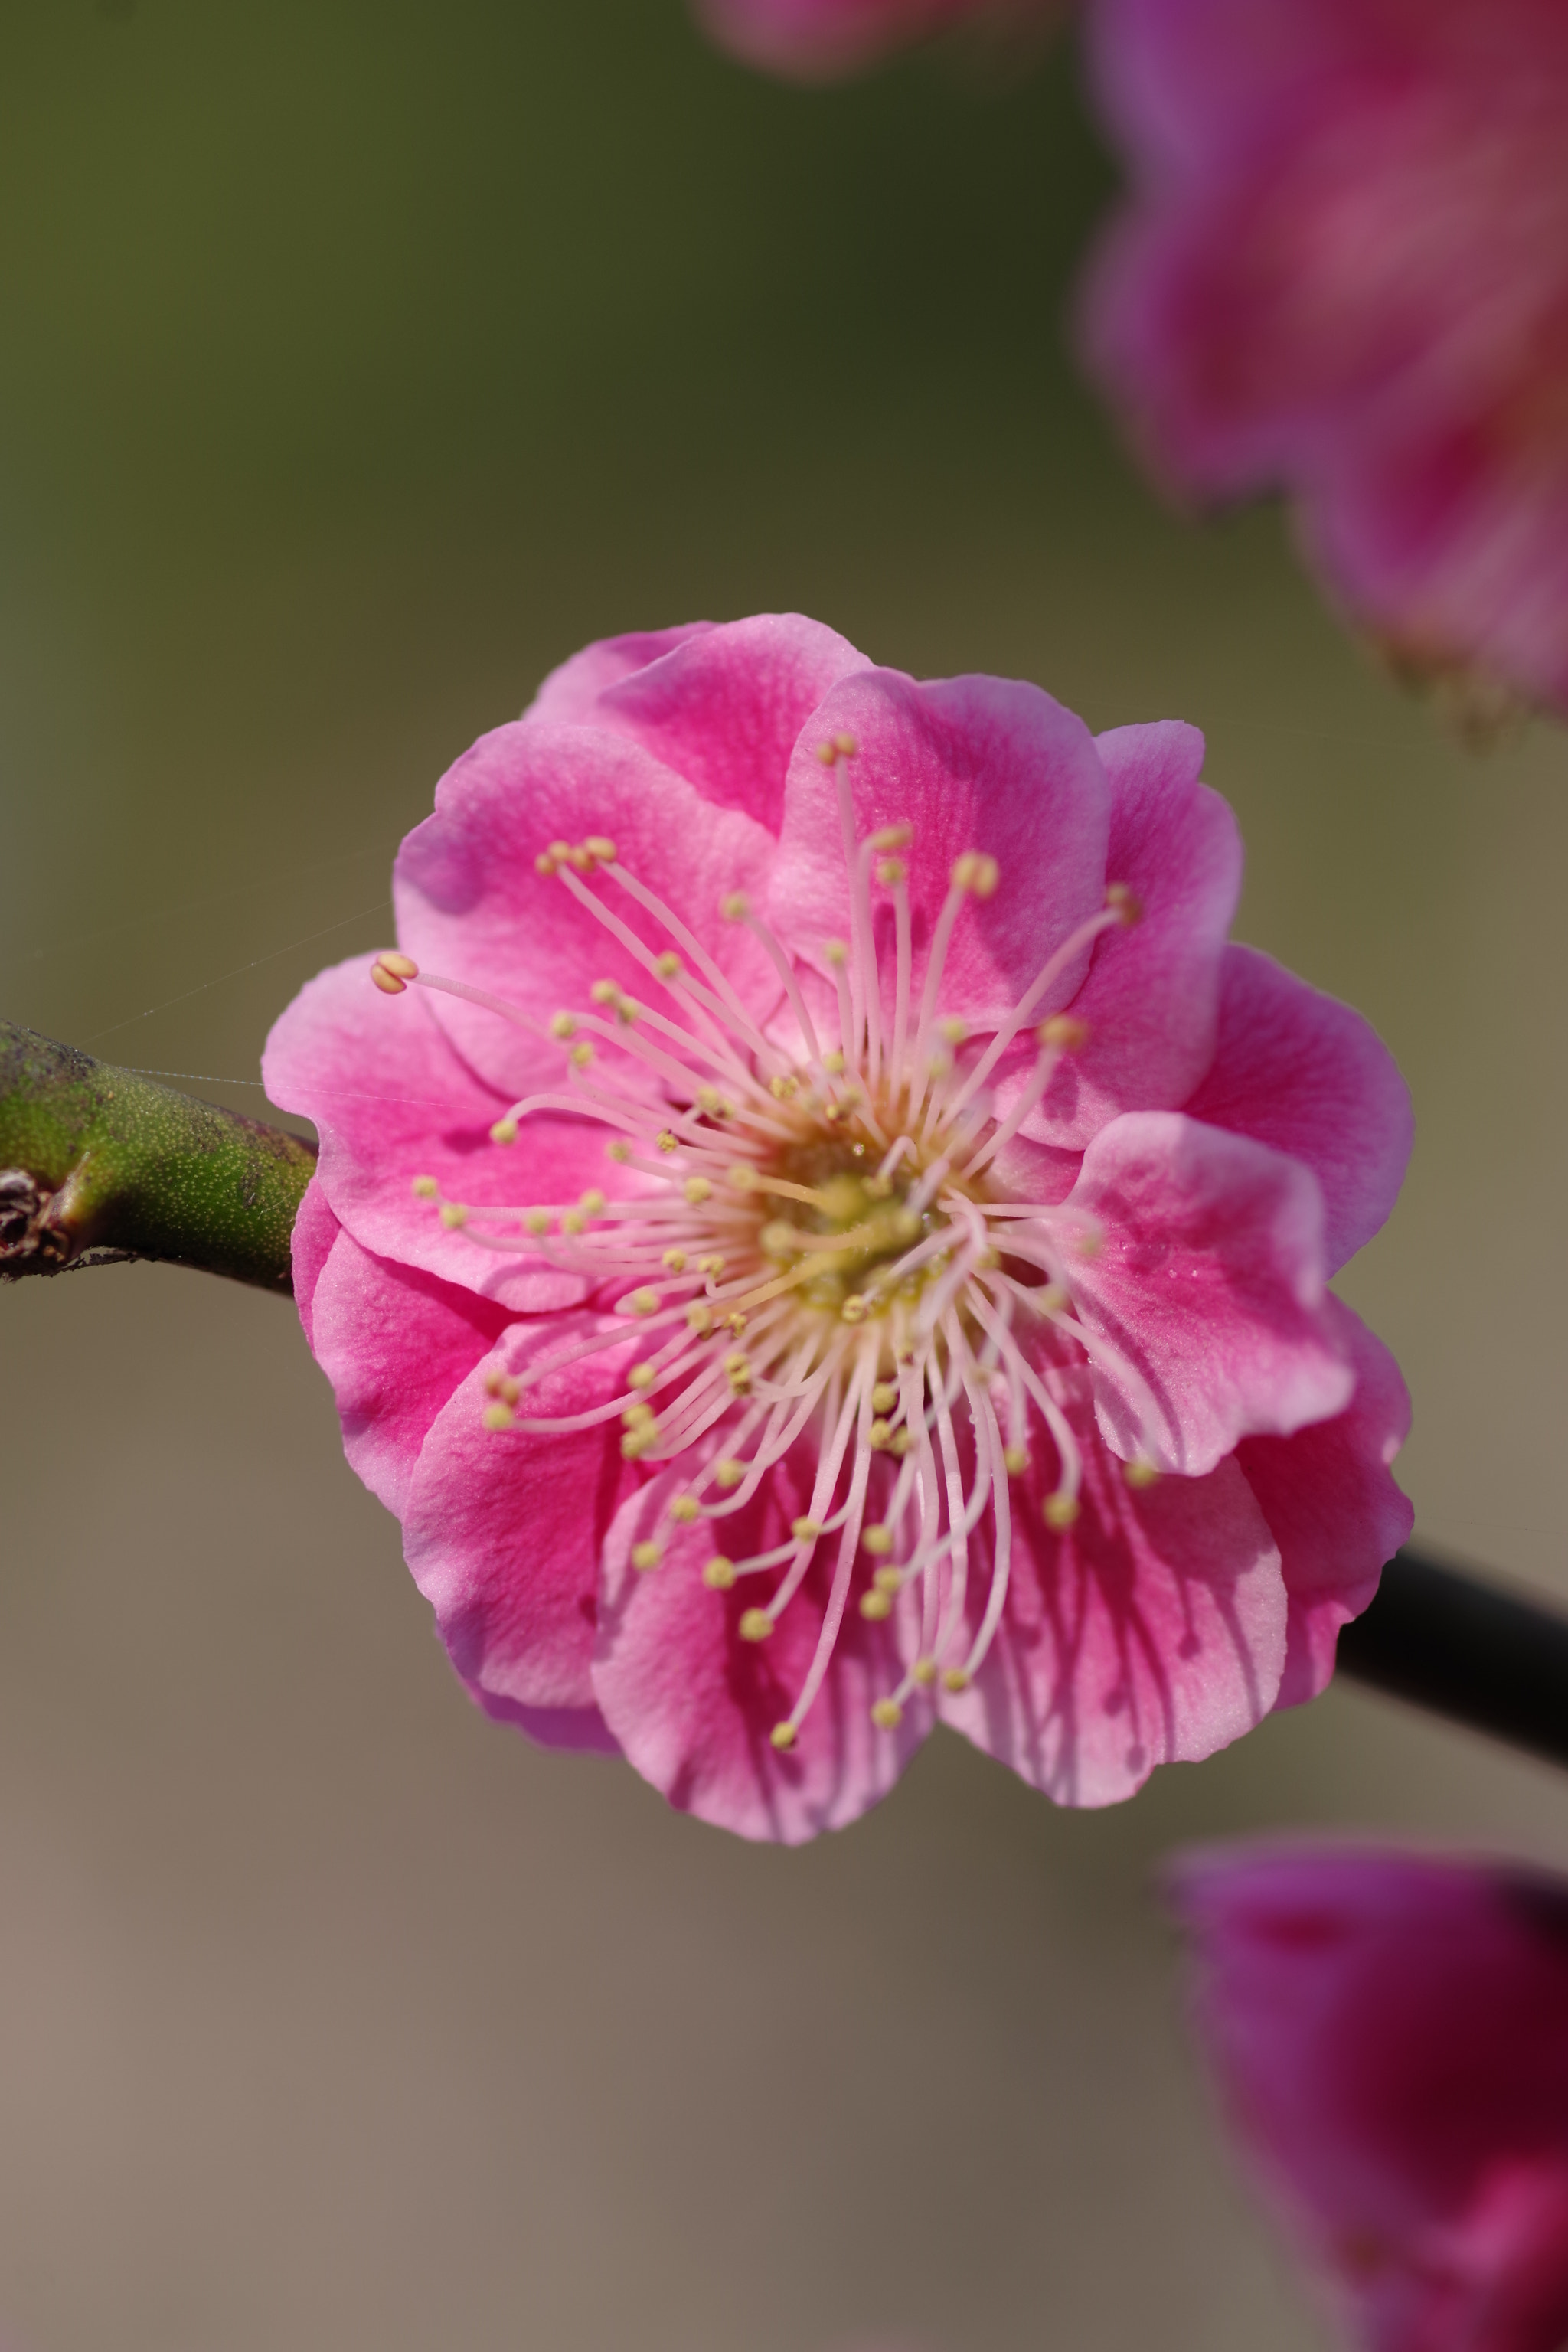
x=357 y=363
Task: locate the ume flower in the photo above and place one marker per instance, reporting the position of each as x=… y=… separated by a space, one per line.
x=817 y=1232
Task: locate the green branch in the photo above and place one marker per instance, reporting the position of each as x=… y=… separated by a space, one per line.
x=98 y=1164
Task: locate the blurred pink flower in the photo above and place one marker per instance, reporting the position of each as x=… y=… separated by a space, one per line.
x=1343 y=272
x=1390 y=2037
x=817 y=41
x=769 y=1259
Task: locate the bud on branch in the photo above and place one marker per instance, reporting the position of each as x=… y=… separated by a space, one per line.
x=98 y=1164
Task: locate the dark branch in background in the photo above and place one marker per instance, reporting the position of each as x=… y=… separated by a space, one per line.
x=1482 y=1656
x=97 y=1165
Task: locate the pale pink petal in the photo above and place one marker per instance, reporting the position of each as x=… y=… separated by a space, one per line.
x=692 y=1704
x=502 y=1529
x=316 y=1228
x=472 y=905
x=1150 y=1631
x=392 y=1101
x=1390 y=2037
x=1207 y=1283
x=721 y=706
x=1330 y=1501
x=1151 y=999
x=575 y=1730
x=1308 y=1074
x=395 y=1343
x=971 y=764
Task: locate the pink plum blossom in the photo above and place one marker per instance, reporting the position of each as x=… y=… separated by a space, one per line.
x=1343 y=272
x=817 y=40
x=1390 y=2037
x=817 y=1233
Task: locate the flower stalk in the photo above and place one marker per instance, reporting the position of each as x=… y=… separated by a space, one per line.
x=98 y=1164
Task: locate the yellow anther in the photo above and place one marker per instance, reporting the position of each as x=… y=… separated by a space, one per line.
x=504 y=1131
x=544 y=863
x=734 y=906
x=699 y=1318
x=641 y=1376
x=563 y=1026
x=604 y=992
x=878 y=1188
x=827 y=754
x=755 y=1625
x=729 y=1473
x=501 y=1384
x=666 y=1139
x=782 y=1735
x=646 y=1556
x=878 y=1436
x=600 y=847
x=884 y=1397
x=1014 y=1460
x=845 y=747
x=720 y=1573
x=581 y=1055
x=876 y=1606
x=535 y=1221
x=392 y=973
x=952 y=1031
x=735 y=1322
x=887 y=1713
x=966 y=871
x=667 y=965
x=833 y=1063
x=906 y=1225
x=924 y=1672
x=806 y=1530
x=592 y=1202
x=424 y=1188
x=711 y=1103
x=743 y=1177
x=891 y=871
x=889 y=1579
x=1140 y=1473
x=892 y=837
x=877 y=1541
x=901 y=1441
x=738 y=1372
x=561 y=851
x=684 y=1509
x=1052 y=1300
x=637 y=1416
x=697 y=1189
x=636 y=1442
x=1090 y=1240
x=675 y=1259
x=835 y=954
x=1125 y=902
x=454 y=1215
x=956 y=1678
x=640 y=1302
x=1059 y=1511
x=784 y=1088
x=1064 y=1032
x=618 y=1151
x=779 y=1239
x=580 y=857
x=497 y=1415
x=854 y=1309
x=713 y=1265
x=572 y=1220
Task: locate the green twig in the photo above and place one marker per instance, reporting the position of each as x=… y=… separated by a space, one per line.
x=98 y=1164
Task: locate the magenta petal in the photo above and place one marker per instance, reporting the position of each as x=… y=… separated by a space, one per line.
x=971 y=764
x=722 y=707
x=1329 y=1497
x=1308 y=1074
x=1152 y=1630
x=502 y=1530
x=693 y=1704
x=575 y=1730
x=392 y=1101
x=1390 y=2036
x=817 y=41
x=315 y=1230
x=1152 y=997
x=395 y=1344
x=472 y=906
x=1208 y=1283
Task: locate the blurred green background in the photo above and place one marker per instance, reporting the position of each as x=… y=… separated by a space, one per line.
x=356 y=364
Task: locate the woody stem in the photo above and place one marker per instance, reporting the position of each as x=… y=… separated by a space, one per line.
x=99 y=1164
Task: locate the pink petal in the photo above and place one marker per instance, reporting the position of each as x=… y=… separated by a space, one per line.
x=472 y=906
x=1208 y=1283
x=1152 y=997
x=722 y=707
x=392 y=1101
x=1150 y=1631
x=502 y=1530
x=315 y=1230
x=1390 y=2035
x=1304 y=1073
x=395 y=1344
x=692 y=1704
x=818 y=40
x=575 y=1730
x=1330 y=1499
x=972 y=763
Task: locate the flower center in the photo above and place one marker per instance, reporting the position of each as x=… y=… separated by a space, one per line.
x=817 y=1253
